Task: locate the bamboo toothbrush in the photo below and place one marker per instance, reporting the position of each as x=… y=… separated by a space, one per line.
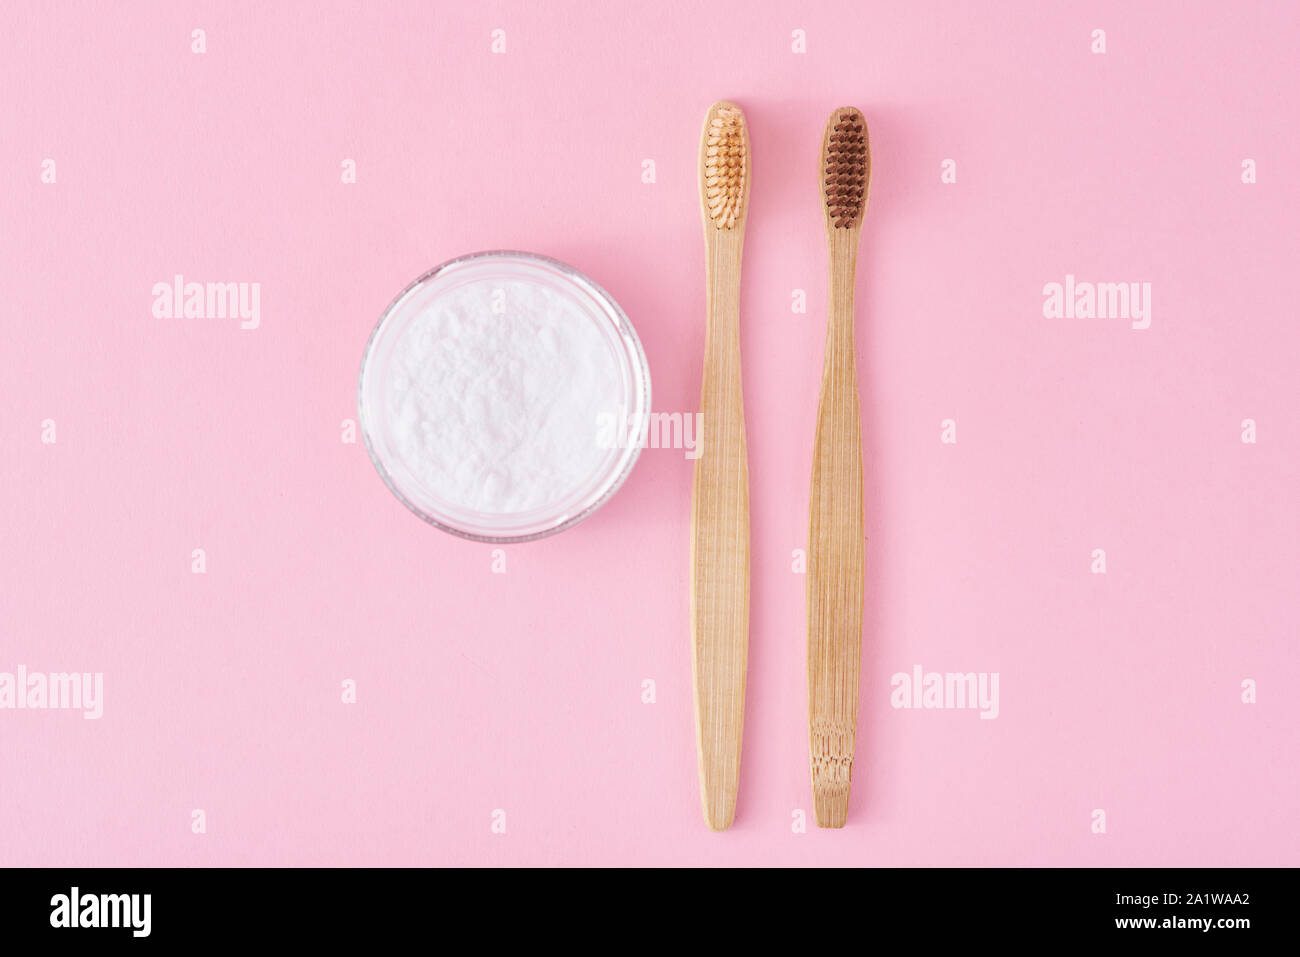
x=836 y=534
x=720 y=491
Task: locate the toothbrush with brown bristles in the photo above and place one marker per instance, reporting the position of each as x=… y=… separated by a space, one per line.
x=836 y=533
x=720 y=490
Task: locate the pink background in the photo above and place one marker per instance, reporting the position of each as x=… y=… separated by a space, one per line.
x=522 y=691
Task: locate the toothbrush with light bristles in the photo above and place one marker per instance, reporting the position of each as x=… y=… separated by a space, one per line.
x=720 y=489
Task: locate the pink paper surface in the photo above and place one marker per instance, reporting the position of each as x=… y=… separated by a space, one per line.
x=480 y=692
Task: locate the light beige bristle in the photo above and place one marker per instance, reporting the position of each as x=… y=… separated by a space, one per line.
x=724 y=167
x=846 y=168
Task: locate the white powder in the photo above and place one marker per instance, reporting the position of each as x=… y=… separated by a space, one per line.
x=493 y=395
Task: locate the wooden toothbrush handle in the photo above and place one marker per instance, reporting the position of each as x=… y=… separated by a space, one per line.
x=720 y=551
x=836 y=565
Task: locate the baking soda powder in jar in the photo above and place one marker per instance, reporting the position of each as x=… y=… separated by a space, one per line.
x=488 y=392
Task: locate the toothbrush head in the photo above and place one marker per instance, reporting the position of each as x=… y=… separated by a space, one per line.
x=846 y=168
x=724 y=166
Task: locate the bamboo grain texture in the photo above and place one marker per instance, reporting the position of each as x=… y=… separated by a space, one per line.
x=720 y=486
x=836 y=530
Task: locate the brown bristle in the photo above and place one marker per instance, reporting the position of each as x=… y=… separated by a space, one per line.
x=846 y=169
x=724 y=167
